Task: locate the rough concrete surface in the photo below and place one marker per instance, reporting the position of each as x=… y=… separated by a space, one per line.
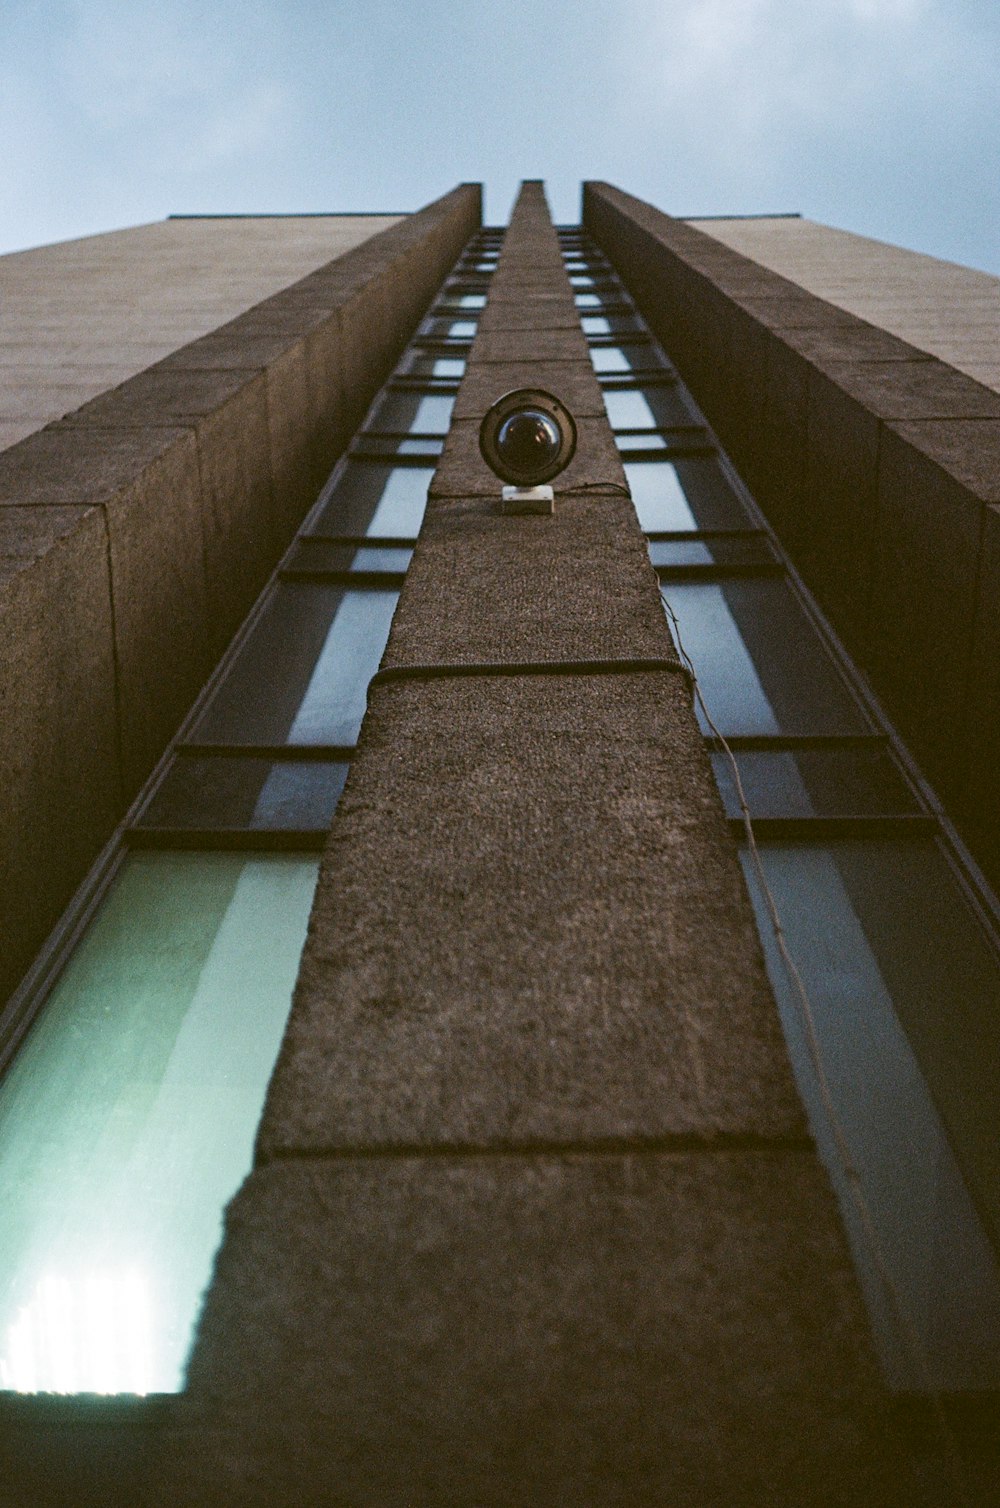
x=873 y=465
x=62 y=781
x=201 y=470
x=949 y=311
x=677 y=1329
x=534 y=931
x=125 y=299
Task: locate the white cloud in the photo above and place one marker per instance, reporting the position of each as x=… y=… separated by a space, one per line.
x=193 y=81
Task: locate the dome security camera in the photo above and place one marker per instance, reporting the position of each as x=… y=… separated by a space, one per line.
x=527 y=437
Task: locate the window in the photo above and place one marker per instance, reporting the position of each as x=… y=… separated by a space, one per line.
x=128 y=1115
x=896 y=942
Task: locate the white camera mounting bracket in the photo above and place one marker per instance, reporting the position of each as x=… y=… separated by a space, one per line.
x=527 y=500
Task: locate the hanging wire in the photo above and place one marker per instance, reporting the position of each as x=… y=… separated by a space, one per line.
x=899 y=1310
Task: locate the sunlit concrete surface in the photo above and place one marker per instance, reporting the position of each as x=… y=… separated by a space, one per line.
x=950 y=311
x=78 y=317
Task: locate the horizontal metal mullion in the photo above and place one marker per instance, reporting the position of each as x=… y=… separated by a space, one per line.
x=682 y=536
x=359 y=541
x=362 y=580
x=240 y=839
x=712 y=570
x=791 y=743
x=908 y=827
x=275 y=753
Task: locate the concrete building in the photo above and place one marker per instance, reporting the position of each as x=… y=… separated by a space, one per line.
x=576 y=1181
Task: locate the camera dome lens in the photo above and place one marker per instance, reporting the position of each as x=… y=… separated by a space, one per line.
x=527 y=437
x=528 y=441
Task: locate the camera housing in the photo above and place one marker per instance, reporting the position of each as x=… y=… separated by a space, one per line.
x=527 y=437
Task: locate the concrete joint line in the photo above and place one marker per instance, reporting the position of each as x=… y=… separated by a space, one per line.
x=656 y=665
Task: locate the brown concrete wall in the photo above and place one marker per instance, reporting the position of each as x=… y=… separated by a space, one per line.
x=878 y=465
x=81 y=316
x=136 y=533
x=948 y=311
x=534 y=1217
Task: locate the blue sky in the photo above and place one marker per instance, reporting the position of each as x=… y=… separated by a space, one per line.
x=880 y=116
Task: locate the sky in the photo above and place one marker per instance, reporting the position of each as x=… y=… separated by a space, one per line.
x=879 y=116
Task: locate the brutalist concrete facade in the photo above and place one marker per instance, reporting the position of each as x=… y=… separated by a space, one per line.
x=136 y=532
x=535 y=1215
x=877 y=463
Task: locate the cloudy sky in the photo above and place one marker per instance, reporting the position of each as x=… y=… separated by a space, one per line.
x=882 y=116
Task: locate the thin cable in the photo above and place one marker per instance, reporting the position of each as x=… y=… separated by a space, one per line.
x=594 y=487
x=905 y=1325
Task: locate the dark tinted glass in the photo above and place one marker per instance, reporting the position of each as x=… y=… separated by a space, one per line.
x=302 y=674
x=761 y=666
x=449 y=327
x=750 y=550
x=904 y=992
x=426 y=364
x=684 y=494
x=456 y=301
x=221 y=792
x=610 y=324
x=848 y=782
x=326 y=555
x=376 y=500
x=421 y=413
x=647 y=408
x=624 y=358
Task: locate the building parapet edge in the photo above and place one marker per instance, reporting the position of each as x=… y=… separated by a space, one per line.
x=136 y=532
x=877 y=464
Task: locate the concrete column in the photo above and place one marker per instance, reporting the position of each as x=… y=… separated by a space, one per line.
x=877 y=464
x=535 y=1217
x=136 y=533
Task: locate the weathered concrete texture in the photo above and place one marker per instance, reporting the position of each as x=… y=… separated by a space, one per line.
x=874 y=461
x=240 y=529
x=156 y=593
x=517 y=1331
x=573 y=383
x=121 y=301
x=202 y=466
x=949 y=311
x=575 y=585
x=546 y=345
x=470 y=980
x=61 y=787
x=535 y=1217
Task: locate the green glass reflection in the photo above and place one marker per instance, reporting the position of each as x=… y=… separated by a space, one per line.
x=127 y=1120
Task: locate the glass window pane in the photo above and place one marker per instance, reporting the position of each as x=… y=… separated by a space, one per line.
x=684 y=494
x=326 y=555
x=731 y=550
x=425 y=364
x=370 y=444
x=905 y=994
x=590 y=300
x=421 y=413
x=610 y=324
x=463 y=301
x=647 y=408
x=761 y=667
x=127 y=1120
x=623 y=358
x=375 y=500
x=855 y=782
x=449 y=327
x=220 y=792
x=302 y=675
